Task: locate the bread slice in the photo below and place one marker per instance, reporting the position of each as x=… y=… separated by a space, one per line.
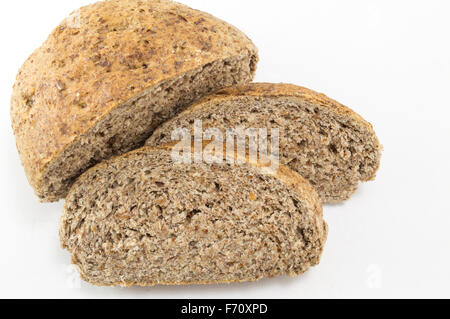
x=327 y=143
x=109 y=75
x=141 y=219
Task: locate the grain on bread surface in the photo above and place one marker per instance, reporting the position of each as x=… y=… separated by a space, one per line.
x=140 y=219
x=102 y=56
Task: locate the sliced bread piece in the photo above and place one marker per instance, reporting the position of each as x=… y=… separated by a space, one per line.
x=141 y=219
x=327 y=143
x=109 y=75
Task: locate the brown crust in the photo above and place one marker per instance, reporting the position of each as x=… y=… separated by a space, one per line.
x=102 y=56
x=279 y=90
x=202 y=283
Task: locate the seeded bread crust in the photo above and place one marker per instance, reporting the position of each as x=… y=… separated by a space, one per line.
x=279 y=90
x=232 y=106
x=102 y=56
x=99 y=238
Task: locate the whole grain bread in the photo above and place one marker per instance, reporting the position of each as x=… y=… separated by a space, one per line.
x=327 y=143
x=108 y=75
x=141 y=219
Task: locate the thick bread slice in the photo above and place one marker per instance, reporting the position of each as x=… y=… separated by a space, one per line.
x=326 y=142
x=109 y=75
x=140 y=219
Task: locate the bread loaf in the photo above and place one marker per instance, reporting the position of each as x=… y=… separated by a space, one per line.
x=109 y=75
x=141 y=219
x=327 y=143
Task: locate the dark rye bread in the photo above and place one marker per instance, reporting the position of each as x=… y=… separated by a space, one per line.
x=327 y=143
x=140 y=219
x=109 y=75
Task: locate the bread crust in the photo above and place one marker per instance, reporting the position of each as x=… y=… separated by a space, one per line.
x=104 y=55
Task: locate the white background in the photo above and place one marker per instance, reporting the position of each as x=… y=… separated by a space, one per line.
x=388 y=60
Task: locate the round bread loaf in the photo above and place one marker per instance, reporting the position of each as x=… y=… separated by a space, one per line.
x=327 y=143
x=109 y=75
x=141 y=219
